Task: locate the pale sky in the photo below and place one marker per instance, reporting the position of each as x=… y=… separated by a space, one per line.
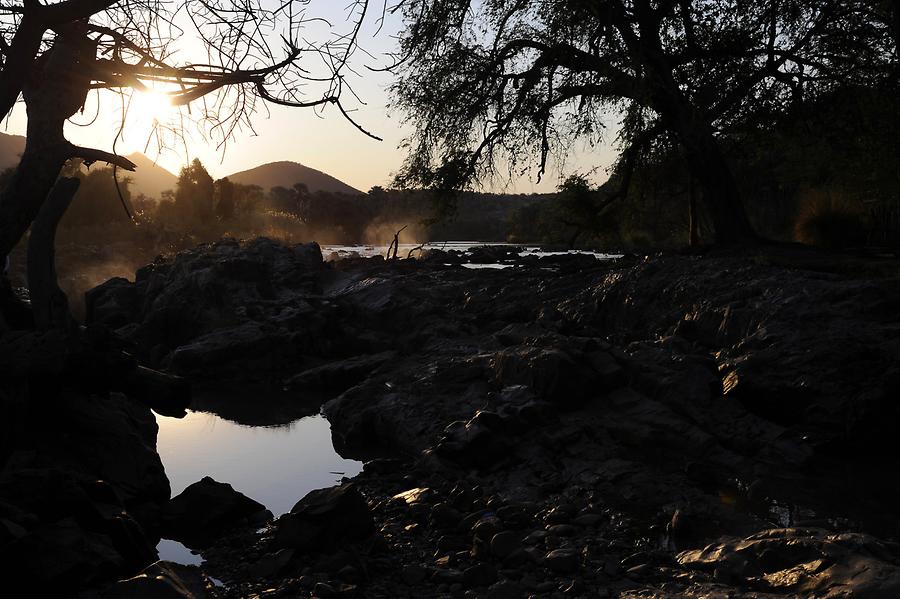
x=323 y=141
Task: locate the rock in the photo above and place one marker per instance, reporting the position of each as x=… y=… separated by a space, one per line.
x=447 y=576
x=564 y=561
x=112 y=439
x=61 y=555
x=339 y=375
x=324 y=519
x=504 y=543
x=444 y=516
x=505 y=589
x=162 y=580
x=414 y=574
x=218 y=306
x=479 y=575
x=552 y=373
x=480 y=442
x=588 y=520
x=486 y=526
x=271 y=564
x=805 y=562
x=204 y=510
x=562 y=530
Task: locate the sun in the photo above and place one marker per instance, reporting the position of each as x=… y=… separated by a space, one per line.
x=145 y=111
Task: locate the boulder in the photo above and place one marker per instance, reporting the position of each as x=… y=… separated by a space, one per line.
x=206 y=509
x=324 y=519
x=339 y=375
x=804 y=562
x=59 y=556
x=162 y=580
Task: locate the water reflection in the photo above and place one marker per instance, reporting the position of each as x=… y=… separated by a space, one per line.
x=275 y=465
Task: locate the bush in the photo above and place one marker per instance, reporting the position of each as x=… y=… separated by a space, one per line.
x=830 y=220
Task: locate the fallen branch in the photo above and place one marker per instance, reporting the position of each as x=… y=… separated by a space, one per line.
x=395 y=245
x=415 y=249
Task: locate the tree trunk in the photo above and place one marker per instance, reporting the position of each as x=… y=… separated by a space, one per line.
x=56 y=88
x=718 y=189
x=895 y=27
x=704 y=156
x=693 y=220
x=49 y=303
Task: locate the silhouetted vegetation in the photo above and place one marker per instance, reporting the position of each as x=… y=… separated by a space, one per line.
x=508 y=83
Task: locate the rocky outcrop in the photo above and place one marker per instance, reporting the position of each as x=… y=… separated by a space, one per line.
x=163 y=580
x=218 y=306
x=323 y=520
x=205 y=509
x=565 y=425
x=78 y=502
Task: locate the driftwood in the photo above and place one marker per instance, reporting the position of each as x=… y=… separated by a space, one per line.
x=48 y=302
x=395 y=244
x=418 y=248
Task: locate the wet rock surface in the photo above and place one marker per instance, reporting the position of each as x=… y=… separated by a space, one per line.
x=669 y=426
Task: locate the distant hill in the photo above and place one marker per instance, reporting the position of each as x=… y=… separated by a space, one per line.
x=10 y=148
x=286 y=174
x=149 y=179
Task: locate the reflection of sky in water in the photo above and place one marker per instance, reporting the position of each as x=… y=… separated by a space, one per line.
x=368 y=251
x=276 y=465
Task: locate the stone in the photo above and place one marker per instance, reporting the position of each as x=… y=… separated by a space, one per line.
x=562 y=530
x=486 y=527
x=413 y=574
x=162 y=580
x=480 y=575
x=564 y=561
x=61 y=555
x=271 y=564
x=204 y=510
x=505 y=589
x=339 y=375
x=504 y=543
x=444 y=516
x=324 y=519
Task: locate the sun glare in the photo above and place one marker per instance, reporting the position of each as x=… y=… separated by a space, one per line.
x=146 y=110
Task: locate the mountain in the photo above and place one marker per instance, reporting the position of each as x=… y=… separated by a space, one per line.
x=286 y=174
x=149 y=179
x=10 y=148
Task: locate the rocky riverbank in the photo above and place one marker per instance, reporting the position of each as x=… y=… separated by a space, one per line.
x=643 y=427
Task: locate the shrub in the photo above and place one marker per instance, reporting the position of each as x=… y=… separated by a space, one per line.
x=830 y=220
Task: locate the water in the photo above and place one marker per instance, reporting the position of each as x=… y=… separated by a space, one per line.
x=367 y=251
x=275 y=465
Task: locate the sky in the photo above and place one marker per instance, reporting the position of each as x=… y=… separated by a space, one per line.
x=321 y=140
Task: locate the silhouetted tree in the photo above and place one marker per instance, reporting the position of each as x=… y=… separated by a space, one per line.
x=194 y=192
x=97 y=200
x=482 y=81
x=224 y=198
x=54 y=54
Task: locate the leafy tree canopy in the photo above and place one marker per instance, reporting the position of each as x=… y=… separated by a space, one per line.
x=491 y=84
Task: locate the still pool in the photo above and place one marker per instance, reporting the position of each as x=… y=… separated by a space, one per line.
x=275 y=465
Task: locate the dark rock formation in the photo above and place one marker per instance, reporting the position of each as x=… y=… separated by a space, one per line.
x=558 y=428
x=205 y=509
x=325 y=519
